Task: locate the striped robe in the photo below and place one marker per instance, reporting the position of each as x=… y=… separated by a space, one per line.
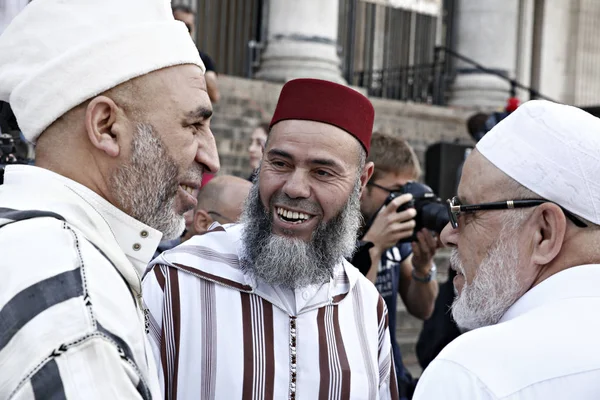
x=71 y=321
x=218 y=334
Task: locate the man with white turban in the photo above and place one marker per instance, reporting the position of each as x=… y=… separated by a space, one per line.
x=526 y=247
x=113 y=95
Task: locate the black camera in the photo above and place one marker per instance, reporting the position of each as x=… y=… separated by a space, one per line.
x=432 y=213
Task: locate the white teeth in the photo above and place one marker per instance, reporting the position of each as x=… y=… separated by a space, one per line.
x=188 y=189
x=292 y=214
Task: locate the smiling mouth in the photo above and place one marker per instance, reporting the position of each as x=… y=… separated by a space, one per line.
x=292 y=217
x=188 y=189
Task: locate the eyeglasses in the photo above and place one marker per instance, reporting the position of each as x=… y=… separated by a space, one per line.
x=455 y=208
x=221 y=218
x=384 y=188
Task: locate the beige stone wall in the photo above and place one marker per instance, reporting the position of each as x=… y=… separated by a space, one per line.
x=245 y=102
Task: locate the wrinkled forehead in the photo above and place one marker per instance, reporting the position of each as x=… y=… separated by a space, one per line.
x=314 y=140
x=481 y=181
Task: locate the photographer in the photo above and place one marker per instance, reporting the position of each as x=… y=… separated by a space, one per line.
x=386 y=255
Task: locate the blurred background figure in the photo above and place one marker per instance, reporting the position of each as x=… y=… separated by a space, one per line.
x=257 y=144
x=186 y=15
x=220 y=200
x=399 y=261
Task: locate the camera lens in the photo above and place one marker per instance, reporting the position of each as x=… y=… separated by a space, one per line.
x=434 y=216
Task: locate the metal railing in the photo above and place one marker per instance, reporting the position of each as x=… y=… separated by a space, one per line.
x=428 y=83
x=412 y=83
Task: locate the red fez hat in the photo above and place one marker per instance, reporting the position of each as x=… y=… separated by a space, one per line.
x=328 y=102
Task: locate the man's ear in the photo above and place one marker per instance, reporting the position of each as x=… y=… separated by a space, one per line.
x=101 y=119
x=550 y=226
x=366 y=175
x=202 y=220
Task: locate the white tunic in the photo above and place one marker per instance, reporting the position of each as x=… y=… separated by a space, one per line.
x=217 y=334
x=545 y=347
x=71 y=323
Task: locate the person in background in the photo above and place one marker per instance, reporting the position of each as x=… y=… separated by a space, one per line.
x=525 y=239
x=257 y=144
x=114 y=166
x=396 y=267
x=220 y=200
x=269 y=308
x=186 y=15
x=440 y=329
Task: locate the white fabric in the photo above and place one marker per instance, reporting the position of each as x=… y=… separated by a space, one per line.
x=544 y=348
x=58 y=53
x=213 y=329
x=96 y=242
x=553 y=150
x=8 y=10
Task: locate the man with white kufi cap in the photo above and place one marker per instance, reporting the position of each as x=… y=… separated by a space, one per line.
x=113 y=95
x=526 y=247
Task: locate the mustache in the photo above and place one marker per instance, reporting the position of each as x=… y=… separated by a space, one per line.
x=305 y=205
x=455 y=261
x=194 y=174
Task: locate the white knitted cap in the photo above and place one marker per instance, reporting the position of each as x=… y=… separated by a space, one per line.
x=58 y=53
x=554 y=151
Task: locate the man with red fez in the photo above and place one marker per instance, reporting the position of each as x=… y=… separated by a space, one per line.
x=269 y=308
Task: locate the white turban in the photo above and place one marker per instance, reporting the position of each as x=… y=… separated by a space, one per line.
x=56 y=54
x=554 y=151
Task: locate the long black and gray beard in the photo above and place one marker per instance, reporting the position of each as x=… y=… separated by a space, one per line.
x=290 y=262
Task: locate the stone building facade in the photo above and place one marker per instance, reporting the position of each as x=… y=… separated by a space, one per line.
x=245 y=102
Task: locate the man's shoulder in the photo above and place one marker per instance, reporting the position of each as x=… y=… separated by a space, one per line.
x=522 y=352
x=363 y=287
x=35 y=236
x=219 y=239
x=214 y=256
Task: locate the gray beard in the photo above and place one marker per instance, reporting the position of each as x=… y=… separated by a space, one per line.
x=146 y=187
x=293 y=263
x=495 y=286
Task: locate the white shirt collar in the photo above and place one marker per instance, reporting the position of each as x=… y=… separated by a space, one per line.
x=137 y=240
x=580 y=281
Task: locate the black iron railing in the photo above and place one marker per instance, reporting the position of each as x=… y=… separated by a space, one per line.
x=428 y=83
x=413 y=83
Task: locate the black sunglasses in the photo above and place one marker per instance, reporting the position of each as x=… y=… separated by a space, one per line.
x=455 y=208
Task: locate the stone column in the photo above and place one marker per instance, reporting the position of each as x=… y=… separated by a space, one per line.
x=302 y=41
x=486 y=32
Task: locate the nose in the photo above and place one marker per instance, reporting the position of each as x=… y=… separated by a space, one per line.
x=207 y=155
x=448 y=235
x=297 y=186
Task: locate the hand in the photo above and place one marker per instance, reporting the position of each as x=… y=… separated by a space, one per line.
x=390 y=226
x=423 y=250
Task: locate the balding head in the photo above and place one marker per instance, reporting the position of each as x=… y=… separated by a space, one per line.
x=220 y=200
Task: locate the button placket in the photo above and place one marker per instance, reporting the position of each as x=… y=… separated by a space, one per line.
x=293 y=369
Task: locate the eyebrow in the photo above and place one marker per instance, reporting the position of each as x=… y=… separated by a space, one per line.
x=318 y=161
x=201 y=112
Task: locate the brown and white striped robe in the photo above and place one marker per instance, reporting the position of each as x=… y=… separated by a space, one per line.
x=218 y=334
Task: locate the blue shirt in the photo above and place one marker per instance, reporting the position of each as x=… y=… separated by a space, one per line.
x=387 y=283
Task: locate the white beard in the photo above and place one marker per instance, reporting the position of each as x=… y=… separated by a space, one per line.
x=495 y=287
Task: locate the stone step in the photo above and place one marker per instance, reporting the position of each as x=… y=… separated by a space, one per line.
x=409 y=327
